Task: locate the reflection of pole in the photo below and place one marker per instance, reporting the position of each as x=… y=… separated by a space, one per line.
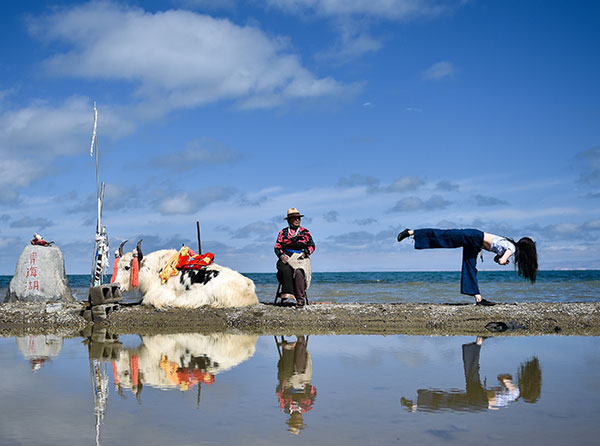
x=99 y=381
x=277 y=345
x=199 y=389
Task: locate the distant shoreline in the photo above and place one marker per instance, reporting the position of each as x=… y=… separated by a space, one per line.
x=481 y=270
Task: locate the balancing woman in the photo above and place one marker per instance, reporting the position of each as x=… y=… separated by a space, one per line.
x=472 y=241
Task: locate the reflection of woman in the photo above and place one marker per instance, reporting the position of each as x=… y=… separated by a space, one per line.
x=476 y=397
x=473 y=241
x=293 y=247
x=295 y=393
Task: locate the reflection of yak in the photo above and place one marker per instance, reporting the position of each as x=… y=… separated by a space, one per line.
x=180 y=361
x=295 y=393
x=476 y=397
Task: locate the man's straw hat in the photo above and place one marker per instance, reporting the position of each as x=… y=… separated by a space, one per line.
x=293 y=212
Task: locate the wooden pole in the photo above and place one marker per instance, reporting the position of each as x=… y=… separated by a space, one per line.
x=198 y=233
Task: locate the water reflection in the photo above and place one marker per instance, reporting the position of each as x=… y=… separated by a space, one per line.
x=295 y=392
x=476 y=397
x=177 y=361
x=359 y=381
x=39 y=349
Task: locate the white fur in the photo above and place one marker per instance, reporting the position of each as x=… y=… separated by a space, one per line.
x=225 y=351
x=228 y=289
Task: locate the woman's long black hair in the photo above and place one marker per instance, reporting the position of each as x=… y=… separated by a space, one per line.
x=530 y=380
x=526 y=258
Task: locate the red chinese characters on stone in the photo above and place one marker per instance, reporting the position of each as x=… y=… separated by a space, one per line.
x=32 y=273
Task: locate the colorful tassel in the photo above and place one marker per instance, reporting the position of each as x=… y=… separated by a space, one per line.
x=114 y=274
x=134 y=365
x=135 y=272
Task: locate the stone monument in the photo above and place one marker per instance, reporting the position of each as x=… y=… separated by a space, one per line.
x=40 y=275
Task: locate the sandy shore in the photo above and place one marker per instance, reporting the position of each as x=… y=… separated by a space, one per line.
x=425 y=319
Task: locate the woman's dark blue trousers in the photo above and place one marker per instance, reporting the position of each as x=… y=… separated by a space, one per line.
x=470 y=240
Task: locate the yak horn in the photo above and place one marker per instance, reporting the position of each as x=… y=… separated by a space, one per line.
x=121 y=249
x=139 y=251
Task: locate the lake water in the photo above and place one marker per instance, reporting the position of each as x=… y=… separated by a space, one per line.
x=427 y=287
x=192 y=389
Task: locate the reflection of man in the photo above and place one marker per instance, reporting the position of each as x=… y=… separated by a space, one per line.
x=295 y=393
x=476 y=397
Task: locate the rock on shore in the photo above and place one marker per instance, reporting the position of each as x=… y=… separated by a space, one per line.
x=355 y=318
x=40 y=276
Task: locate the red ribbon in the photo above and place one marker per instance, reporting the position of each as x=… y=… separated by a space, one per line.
x=114 y=274
x=135 y=272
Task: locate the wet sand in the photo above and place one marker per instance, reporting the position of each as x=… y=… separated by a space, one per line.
x=317 y=318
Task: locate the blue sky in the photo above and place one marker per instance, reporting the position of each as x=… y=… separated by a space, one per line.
x=367 y=115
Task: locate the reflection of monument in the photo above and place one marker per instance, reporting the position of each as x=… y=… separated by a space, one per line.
x=180 y=361
x=295 y=393
x=476 y=397
x=39 y=349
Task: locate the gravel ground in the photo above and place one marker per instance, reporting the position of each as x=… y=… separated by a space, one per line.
x=325 y=318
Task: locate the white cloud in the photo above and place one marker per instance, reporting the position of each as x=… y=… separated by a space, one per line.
x=33 y=136
x=331 y=216
x=439 y=70
x=7 y=243
x=177 y=58
x=14 y=175
x=485 y=200
x=352 y=20
x=590 y=165
x=358 y=180
x=405 y=183
x=569 y=230
x=259 y=228
x=365 y=221
x=446 y=186
x=177 y=202
x=198 y=153
x=386 y=9
x=211 y=5
x=117 y=197
x=181 y=203
x=45 y=130
x=351 y=45
x=38 y=223
x=410 y=204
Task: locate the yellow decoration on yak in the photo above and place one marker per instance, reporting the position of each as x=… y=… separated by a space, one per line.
x=170 y=269
x=184 y=259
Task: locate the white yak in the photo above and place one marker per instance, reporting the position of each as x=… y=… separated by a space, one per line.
x=213 y=285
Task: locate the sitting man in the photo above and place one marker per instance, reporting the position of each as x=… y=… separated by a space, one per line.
x=293 y=247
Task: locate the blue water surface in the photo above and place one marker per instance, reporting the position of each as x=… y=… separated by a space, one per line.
x=424 y=287
x=229 y=389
